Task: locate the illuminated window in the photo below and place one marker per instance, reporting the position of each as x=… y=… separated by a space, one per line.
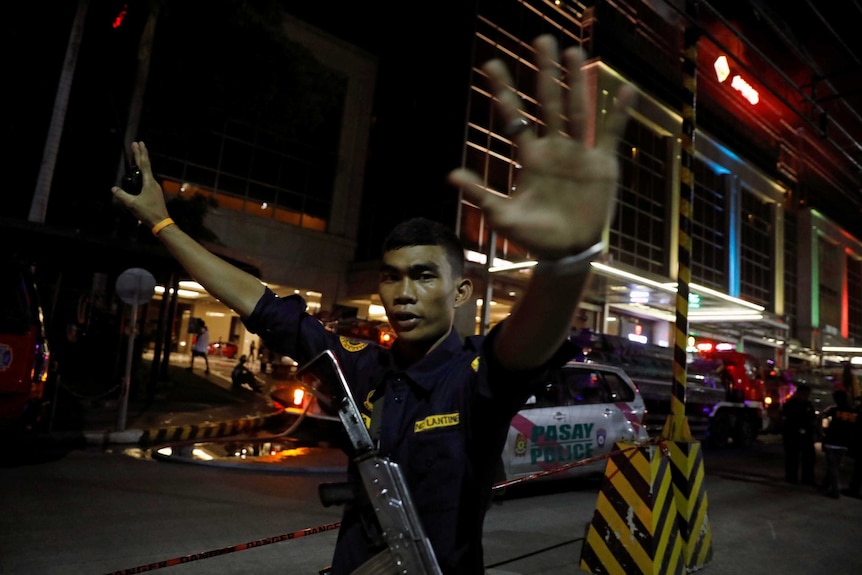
x=708 y=228
x=637 y=234
x=854 y=289
x=756 y=272
x=791 y=266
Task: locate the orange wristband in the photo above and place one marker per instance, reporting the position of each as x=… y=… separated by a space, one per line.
x=162 y=225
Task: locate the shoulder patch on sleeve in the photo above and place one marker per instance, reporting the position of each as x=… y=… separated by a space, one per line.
x=352 y=344
x=475 y=363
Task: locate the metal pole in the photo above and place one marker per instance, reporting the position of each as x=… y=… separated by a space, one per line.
x=489 y=287
x=676 y=427
x=127 y=378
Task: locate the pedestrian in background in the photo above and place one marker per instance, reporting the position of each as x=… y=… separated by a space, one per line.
x=798 y=427
x=201 y=347
x=839 y=436
x=854 y=489
x=242 y=378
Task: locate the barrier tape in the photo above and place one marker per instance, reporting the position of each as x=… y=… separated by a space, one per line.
x=660 y=441
x=225 y=550
x=330 y=526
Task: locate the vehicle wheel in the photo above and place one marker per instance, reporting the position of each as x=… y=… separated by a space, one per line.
x=745 y=432
x=720 y=430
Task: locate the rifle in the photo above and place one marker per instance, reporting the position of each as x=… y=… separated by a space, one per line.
x=408 y=550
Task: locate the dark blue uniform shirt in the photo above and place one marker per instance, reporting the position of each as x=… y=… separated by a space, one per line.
x=445 y=421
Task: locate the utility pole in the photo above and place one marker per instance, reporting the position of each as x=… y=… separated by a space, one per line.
x=39 y=204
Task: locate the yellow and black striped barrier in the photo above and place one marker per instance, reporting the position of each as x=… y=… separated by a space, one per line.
x=203 y=431
x=635 y=528
x=689 y=491
x=686 y=456
x=651 y=514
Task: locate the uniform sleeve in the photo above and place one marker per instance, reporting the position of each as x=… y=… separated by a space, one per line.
x=514 y=387
x=286 y=328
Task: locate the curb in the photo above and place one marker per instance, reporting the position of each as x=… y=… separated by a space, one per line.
x=192 y=432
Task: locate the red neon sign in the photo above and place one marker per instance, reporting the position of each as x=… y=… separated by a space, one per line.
x=738 y=83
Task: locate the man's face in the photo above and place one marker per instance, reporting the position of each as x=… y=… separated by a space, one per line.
x=419 y=294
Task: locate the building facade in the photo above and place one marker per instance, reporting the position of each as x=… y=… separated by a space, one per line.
x=301 y=189
x=769 y=272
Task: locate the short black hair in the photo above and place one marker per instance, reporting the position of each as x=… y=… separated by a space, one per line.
x=425 y=232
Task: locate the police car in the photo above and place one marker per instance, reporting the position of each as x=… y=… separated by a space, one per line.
x=579 y=413
x=582 y=410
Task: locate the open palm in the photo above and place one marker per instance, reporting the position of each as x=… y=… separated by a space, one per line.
x=565 y=189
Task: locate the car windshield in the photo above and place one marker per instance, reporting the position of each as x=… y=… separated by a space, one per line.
x=581 y=387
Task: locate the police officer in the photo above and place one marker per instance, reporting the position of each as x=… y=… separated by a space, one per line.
x=838 y=438
x=444 y=404
x=798 y=430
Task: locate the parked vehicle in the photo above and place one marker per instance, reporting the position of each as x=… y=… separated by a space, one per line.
x=725 y=392
x=24 y=353
x=223 y=349
x=582 y=411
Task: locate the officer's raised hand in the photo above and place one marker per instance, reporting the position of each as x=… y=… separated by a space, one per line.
x=566 y=188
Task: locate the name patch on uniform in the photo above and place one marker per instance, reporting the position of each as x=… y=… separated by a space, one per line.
x=352 y=344
x=434 y=421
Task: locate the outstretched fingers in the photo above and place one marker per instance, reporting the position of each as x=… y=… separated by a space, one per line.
x=548 y=87
x=148 y=206
x=474 y=190
x=508 y=102
x=142 y=159
x=577 y=93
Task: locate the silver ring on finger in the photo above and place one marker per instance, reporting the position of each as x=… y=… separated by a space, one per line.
x=518 y=126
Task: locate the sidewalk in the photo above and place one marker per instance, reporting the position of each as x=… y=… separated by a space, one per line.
x=187 y=405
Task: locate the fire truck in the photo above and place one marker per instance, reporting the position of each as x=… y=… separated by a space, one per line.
x=24 y=353
x=725 y=393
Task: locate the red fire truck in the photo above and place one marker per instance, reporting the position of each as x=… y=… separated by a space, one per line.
x=24 y=353
x=724 y=392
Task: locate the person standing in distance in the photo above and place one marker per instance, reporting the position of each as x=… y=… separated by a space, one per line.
x=837 y=439
x=201 y=347
x=798 y=429
x=445 y=403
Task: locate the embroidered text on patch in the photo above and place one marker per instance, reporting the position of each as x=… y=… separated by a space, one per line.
x=352 y=344
x=434 y=421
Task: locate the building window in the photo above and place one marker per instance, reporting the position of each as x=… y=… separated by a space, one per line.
x=637 y=234
x=756 y=273
x=791 y=269
x=854 y=293
x=294 y=188
x=830 y=258
x=259 y=135
x=708 y=228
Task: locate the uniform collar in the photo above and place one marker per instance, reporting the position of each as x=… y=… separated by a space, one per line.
x=426 y=372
